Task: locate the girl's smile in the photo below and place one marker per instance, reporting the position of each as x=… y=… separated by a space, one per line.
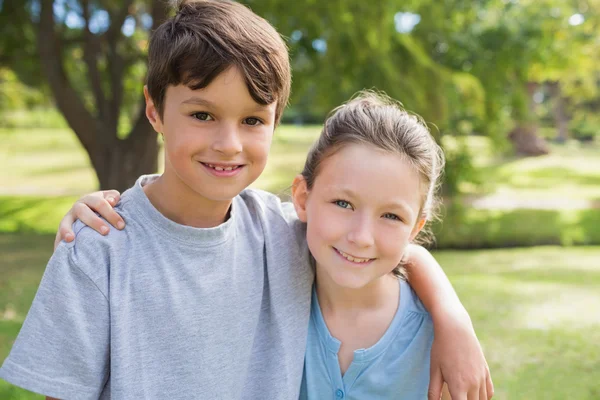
x=361 y=215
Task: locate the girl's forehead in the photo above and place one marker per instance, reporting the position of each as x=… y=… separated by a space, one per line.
x=370 y=173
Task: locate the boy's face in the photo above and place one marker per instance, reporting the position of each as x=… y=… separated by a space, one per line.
x=216 y=139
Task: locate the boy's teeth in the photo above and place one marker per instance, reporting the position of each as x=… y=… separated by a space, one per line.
x=221 y=168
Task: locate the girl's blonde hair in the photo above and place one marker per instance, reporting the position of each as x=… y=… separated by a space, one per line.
x=375 y=119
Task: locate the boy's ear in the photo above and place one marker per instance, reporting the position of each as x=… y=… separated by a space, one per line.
x=299 y=196
x=418 y=226
x=152 y=112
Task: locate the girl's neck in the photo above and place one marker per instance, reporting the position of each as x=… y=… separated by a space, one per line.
x=379 y=293
x=179 y=203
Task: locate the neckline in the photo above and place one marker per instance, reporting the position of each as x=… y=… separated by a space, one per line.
x=367 y=354
x=199 y=237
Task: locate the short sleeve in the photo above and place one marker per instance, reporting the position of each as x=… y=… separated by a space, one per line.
x=63 y=347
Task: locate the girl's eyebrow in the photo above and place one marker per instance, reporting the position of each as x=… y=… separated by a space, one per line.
x=399 y=205
x=341 y=190
x=352 y=195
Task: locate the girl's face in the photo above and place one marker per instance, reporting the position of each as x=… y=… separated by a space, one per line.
x=361 y=213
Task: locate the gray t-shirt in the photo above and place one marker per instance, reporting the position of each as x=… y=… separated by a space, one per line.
x=166 y=311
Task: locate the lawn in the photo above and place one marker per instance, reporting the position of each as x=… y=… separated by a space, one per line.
x=535 y=311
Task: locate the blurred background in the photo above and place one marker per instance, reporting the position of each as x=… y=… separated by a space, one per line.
x=510 y=88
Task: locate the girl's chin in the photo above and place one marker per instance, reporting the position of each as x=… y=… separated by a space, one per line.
x=350 y=281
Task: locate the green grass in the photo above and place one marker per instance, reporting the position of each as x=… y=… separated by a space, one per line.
x=536 y=313
x=570 y=172
x=534 y=309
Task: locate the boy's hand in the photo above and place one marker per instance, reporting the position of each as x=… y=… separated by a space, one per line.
x=457 y=359
x=85 y=210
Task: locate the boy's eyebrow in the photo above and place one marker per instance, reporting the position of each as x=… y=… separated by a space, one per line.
x=207 y=103
x=199 y=101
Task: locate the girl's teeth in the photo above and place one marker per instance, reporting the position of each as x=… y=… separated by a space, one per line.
x=354 y=259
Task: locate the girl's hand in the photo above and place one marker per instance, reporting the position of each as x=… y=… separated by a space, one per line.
x=85 y=210
x=457 y=359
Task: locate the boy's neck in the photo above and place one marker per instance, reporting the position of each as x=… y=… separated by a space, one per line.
x=177 y=202
x=380 y=293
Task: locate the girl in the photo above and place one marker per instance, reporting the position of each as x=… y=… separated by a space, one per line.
x=368 y=185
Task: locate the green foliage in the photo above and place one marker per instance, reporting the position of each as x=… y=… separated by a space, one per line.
x=16 y=96
x=585 y=127
x=459 y=169
x=469 y=228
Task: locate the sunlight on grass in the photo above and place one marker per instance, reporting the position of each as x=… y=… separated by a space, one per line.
x=44 y=162
x=537 y=329
x=33 y=214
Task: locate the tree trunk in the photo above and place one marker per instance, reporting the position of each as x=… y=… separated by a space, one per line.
x=560 y=116
x=118 y=166
x=527 y=142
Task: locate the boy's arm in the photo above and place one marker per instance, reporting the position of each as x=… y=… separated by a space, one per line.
x=456 y=355
x=85 y=209
x=62 y=350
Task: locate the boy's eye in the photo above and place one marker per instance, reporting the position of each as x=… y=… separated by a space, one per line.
x=342 y=203
x=392 y=217
x=252 y=121
x=202 y=116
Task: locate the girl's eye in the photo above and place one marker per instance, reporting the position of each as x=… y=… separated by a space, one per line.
x=342 y=203
x=252 y=121
x=202 y=116
x=392 y=217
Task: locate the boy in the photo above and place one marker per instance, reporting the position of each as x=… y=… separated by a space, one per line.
x=207 y=292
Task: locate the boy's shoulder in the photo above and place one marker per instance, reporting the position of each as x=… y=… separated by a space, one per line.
x=92 y=252
x=277 y=216
x=270 y=204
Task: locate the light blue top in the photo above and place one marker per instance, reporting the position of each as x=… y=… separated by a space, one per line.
x=396 y=367
x=165 y=311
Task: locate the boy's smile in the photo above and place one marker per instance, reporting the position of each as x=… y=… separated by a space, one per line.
x=217 y=140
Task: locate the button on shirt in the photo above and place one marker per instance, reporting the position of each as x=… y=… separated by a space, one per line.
x=396 y=367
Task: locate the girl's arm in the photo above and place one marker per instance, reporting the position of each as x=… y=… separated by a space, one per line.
x=456 y=355
x=85 y=209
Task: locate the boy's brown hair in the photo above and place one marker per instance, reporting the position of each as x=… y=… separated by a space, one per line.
x=205 y=38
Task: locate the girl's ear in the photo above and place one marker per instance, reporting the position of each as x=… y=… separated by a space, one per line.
x=418 y=226
x=299 y=196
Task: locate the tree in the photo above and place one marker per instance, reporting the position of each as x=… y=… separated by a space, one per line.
x=86 y=59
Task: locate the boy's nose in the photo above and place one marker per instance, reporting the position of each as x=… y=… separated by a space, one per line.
x=228 y=141
x=361 y=233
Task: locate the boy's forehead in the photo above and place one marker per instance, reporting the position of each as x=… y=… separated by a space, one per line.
x=216 y=97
